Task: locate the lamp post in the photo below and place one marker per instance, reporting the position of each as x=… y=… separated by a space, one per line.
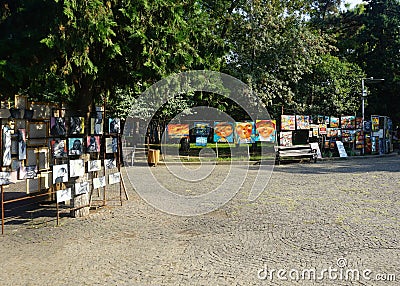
x=364 y=95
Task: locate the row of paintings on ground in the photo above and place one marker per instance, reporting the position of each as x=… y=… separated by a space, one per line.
x=60 y=173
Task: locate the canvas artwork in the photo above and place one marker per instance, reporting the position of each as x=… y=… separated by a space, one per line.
x=375 y=122
x=75 y=146
x=315 y=129
x=94 y=165
x=348 y=122
x=303 y=122
x=358 y=122
x=81 y=188
x=59 y=148
x=76 y=125
x=114 y=178
x=60 y=173
x=21 y=144
x=244 y=132
x=223 y=132
x=266 y=130
x=96 y=126
x=6 y=146
x=57 y=126
x=286 y=138
x=4 y=178
x=22 y=173
x=93 y=144
x=320 y=119
x=99 y=182
x=13 y=177
x=288 y=122
x=201 y=129
x=110 y=163
x=322 y=129
x=64 y=195
x=201 y=141
x=112 y=145
x=334 y=123
x=178 y=130
x=114 y=125
x=76 y=168
x=31 y=172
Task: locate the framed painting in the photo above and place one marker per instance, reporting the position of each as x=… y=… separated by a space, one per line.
x=114 y=178
x=57 y=126
x=94 y=165
x=76 y=168
x=99 y=182
x=76 y=125
x=75 y=146
x=37 y=133
x=93 y=144
x=60 y=173
x=111 y=145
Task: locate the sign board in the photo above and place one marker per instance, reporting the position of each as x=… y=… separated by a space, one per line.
x=315 y=146
x=342 y=151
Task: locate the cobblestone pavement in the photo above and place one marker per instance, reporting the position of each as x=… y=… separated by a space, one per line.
x=312 y=216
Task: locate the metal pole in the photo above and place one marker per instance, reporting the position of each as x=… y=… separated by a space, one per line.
x=2 y=210
x=363 y=115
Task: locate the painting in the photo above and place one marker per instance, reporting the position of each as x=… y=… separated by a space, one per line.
x=110 y=163
x=303 y=122
x=76 y=168
x=81 y=188
x=288 y=122
x=375 y=123
x=37 y=133
x=99 y=182
x=22 y=173
x=57 y=126
x=21 y=144
x=266 y=130
x=112 y=145
x=94 y=165
x=244 y=132
x=4 y=178
x=223 y=132
x=60 y=173
x=93 y=144
x=96 y=126
x=201 y=141
x=334 y=123
x=286 y=138
x=114 y=178
x=75 y=146
x=348 y=122
x=64 y=195
x=178 y=130
x=6 y=146
x=76 y=125
x=201 y=129
x=114 y=125
x=31 y=172
x=59 y=148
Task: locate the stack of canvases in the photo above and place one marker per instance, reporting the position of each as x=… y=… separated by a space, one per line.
x=49 y=151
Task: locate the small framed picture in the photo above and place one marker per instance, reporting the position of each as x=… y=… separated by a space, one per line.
x=76 y=168
x=93 y=144
x=110 y=163
x=114 y=178
x=5 y=178
x=59 y=148
x=60 y=173
x=57 y=126
x=75 y=146
x=76 y=125
x=94 y=165
x=112 y=145
x=81 y=188
x=99 y=182
x=114 y=125
x=64 y=195
x=96 y=126
x=31 y=172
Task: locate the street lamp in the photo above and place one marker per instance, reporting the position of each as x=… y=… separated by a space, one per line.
x=363 y=96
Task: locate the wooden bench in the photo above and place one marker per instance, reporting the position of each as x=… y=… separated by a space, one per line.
x=295 y=152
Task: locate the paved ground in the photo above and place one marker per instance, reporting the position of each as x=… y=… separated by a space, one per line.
x=312 y=217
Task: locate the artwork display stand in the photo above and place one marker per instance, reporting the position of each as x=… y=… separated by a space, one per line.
x=39 y=137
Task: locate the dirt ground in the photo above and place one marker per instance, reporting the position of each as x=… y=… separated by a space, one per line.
x=337 y=218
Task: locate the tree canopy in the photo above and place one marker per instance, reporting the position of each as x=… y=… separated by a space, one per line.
x=300 y=56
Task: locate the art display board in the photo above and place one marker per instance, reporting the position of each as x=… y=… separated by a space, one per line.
x=223 y=132
x=244 y=132
x=266 y=130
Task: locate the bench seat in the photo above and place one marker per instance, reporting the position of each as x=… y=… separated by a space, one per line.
x=296 y=151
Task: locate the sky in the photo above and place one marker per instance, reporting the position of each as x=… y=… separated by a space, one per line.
x=353 y=2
